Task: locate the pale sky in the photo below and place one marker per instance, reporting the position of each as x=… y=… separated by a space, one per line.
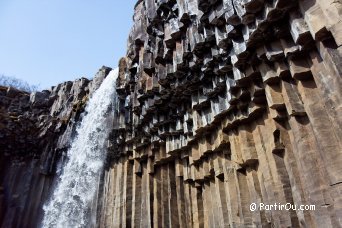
x=50 y=41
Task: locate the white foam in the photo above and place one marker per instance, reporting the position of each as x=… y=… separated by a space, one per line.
x=69 y=205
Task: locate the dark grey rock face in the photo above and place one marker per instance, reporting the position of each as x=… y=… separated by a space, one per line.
x=35 y=131
x=222 y=103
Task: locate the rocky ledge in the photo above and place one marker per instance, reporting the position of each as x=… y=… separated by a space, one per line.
x=225 y=103
x=222 y=103
x=35 y=132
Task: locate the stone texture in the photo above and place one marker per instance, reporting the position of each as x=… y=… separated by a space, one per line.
x=35 y=133
x=225 y=103
x=222 y=103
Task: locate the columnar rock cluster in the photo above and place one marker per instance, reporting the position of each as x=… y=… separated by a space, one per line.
x=35 y=132
x=224 y=103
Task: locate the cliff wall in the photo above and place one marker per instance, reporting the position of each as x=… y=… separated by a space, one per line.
x=224 y=103
x=35 y=132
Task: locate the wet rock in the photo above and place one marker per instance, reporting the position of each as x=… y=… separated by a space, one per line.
x=35 y=129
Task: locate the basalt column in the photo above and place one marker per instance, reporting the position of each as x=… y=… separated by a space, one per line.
x=224 y=103
x=35 y=133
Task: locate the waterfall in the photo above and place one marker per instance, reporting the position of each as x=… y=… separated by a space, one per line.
x=69 y=205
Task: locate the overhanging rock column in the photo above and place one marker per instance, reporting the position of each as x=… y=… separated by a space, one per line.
x=225 y=103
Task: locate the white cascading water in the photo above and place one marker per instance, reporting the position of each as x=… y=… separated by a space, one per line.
x=77 y=185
